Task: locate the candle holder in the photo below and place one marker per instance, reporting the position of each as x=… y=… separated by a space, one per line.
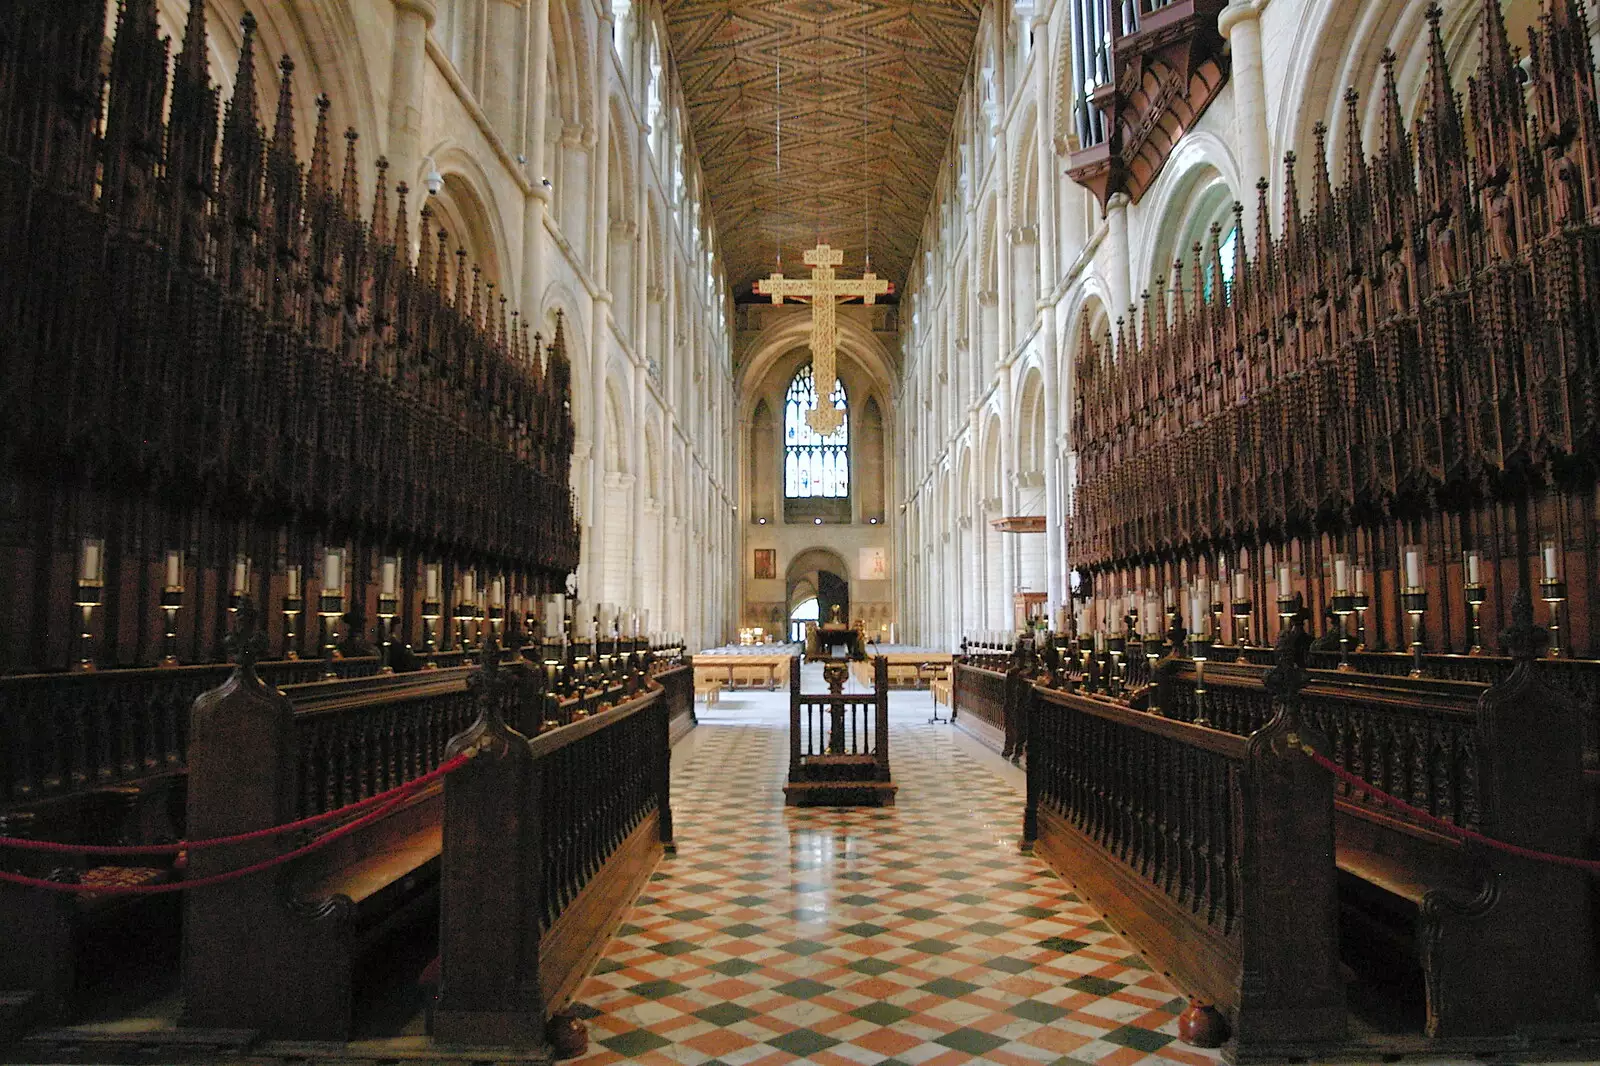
x=1344 y=605
x=388 y=607
x=1360 y=602
x=432 y=611
x=1242 y=610
x=330 y=605
x=1200 y=651
x=1553 y=591
x=1414 y=600
x=1475 y=596
x=89 y=595
x=463 y=615
x=293 y=607
x=171 y=603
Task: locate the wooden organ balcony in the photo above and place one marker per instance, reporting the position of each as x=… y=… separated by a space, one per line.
x=1161 y=68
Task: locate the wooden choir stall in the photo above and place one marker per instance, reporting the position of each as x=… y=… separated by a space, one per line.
x=246 y=422
x=1322 y=734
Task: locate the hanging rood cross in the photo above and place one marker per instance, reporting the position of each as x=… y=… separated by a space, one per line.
x=824 y=289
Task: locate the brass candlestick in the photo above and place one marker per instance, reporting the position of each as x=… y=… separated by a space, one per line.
x=1200 y=651
x=1554 y=592
x=88 y=598
x=171 y=603
x=1359 y=603
x=388 y=607
x=1414 y=600
x=330 y=605
x=432 y=611
x=1344 y=606
x=1242 y=609
x=1475 y=596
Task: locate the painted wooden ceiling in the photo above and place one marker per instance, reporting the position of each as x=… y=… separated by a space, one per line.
x=869 y=91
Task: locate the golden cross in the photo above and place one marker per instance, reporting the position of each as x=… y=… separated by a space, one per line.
x=824 y=289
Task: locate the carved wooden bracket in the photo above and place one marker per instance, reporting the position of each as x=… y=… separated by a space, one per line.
x=1033 y=523
x=1165 y=74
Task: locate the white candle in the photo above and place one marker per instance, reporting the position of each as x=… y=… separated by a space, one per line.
x=89 y=570
x=1197 y=614
x=333 y=571
x=1341 y=575
x=1413 y=568
x=466 y=586
x=432 y=571
x=497 y=593
x=1550 y=560
x=1241 y=585
x=1361 y=580
x=241 y=575
x=1474 y=575
x=1285 y=581
x=1216 y=591
x=174 y=568
x=391 y=571
x=292 y=575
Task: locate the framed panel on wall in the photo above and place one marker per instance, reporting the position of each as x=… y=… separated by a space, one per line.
x=766 y=564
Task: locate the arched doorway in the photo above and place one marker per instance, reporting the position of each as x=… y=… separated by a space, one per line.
x=818 y=574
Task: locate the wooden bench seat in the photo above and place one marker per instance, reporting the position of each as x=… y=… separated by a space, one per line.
x=1504 y=760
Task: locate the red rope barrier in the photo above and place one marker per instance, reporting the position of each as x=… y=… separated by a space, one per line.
x=398 y=792
x=1448 y=828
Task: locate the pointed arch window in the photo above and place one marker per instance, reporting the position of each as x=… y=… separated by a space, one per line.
x=813 y=466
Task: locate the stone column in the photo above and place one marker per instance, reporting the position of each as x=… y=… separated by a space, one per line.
x=1049 y=328
x=1240 y=24
x=1118 y=267
x=412 y=20
x=598 y=227
x=502 y=35
x=538 y=198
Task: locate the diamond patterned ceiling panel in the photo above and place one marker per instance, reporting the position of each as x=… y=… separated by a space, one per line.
x=870 y=88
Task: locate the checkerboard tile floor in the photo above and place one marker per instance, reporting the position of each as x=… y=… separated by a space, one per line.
x=851 y=936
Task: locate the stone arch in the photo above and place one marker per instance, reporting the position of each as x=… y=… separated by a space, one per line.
x=1025 y=170
x=1198 y=185
x=614 y=441
x=467 y=209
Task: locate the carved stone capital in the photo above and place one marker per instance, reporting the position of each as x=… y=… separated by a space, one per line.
x=1024 y=234
x=988 y=297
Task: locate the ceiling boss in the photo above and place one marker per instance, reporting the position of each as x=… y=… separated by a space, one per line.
x=824 y=289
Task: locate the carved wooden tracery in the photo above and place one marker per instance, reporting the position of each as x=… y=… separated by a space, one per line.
x=206 y=345
x=1427 y=331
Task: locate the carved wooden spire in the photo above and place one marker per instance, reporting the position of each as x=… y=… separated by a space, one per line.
x=319 y=180
x=425 y=254
x=380 y=204
x=192 y=139
x=349 y=190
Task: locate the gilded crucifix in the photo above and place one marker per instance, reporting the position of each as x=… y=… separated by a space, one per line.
x=824 y=290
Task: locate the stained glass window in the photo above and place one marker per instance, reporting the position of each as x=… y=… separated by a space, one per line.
x=1228 y=253
x=814 y=466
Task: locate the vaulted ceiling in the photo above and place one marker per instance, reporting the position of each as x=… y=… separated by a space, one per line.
x=869 y=91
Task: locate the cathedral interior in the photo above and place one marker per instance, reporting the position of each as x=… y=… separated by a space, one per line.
x=488 y=482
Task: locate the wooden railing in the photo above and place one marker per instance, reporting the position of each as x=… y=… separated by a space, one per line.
x=1209 y=850
x=62 y=734
x=1415 y=739
x=848 y=724
x=545 y=843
